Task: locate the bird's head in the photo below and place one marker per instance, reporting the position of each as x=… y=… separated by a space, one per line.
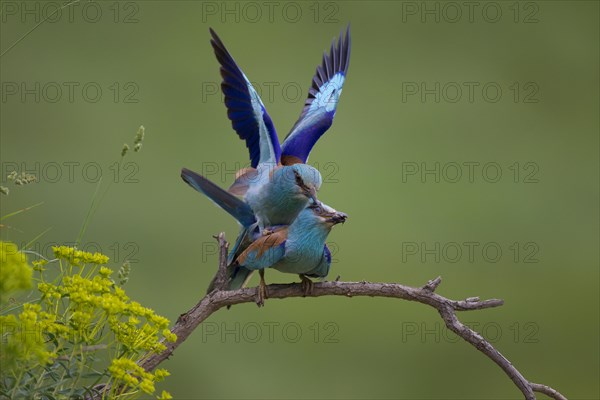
x=327 y=215
x=306 y=180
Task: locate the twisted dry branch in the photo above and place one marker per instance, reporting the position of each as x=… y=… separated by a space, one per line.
x=447 y=308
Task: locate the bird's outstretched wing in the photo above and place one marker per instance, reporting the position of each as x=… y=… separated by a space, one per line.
x=237 y=208
x=319 y=109
x=246 y=111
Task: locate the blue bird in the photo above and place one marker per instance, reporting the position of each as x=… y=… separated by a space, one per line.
x=278 y=185
x=298 y=248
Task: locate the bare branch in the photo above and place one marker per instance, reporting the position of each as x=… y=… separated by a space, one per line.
x=218 y=299
x=447 y=309
x=547 y=390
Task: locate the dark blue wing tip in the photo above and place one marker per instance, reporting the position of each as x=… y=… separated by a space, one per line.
x=223 y=56
x=339 y=56
x=237 y=97
x=220 y=50
x=215 y=38
x=337 y=61
x=346 y=48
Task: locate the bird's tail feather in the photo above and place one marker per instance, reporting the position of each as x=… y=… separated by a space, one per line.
x=238 y=209
x=239 y=278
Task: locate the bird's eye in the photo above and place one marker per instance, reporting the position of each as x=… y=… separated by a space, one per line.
x=299 y=180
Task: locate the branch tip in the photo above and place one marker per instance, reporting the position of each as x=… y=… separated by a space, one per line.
x=432 y=284
x=220 y=279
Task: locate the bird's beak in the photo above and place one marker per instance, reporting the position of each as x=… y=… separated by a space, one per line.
x=338 y=217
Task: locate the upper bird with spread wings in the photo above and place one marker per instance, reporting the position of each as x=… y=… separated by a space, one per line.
x=250 y=119
x=279 y=183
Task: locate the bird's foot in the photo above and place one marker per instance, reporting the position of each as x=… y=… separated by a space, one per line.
x=261 y=291
x=261 y=294
x=307 y=285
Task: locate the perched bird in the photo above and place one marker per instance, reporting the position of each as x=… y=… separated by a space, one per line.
x=278 y=188
x=297 y=248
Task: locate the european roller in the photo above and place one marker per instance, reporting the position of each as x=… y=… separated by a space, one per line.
x=279 y=184
x=297 y=248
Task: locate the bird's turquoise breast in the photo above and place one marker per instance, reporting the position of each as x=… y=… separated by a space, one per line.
x=304 y=249
x=299 y=262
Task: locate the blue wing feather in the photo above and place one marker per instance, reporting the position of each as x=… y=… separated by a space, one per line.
x=322 y=270
x=320 y=106
x=237 y=208
x=246 y=111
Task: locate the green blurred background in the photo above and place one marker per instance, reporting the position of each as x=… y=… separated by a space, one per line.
x=154 y=66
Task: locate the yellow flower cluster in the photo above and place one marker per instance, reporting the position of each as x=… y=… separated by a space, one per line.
x=128 y=372
x=38 y=265
x=78 y=257
x=23 y=338
x=15 y=272
x=100 y=298
x=74 y=312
